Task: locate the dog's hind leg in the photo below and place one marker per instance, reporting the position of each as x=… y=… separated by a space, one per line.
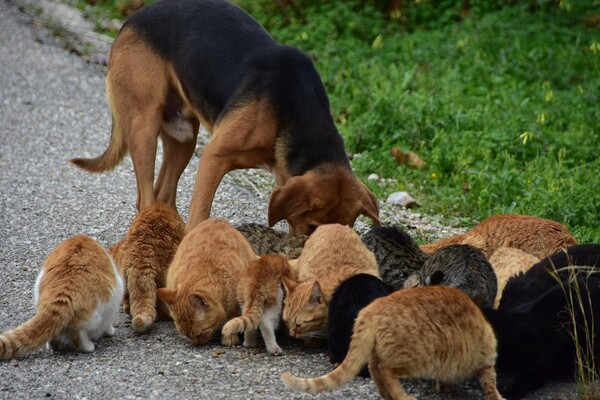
x=137 y=87
x=176 y=156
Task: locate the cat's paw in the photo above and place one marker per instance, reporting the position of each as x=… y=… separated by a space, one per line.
x=275 y=350
x=110 y=330
x=230 y=340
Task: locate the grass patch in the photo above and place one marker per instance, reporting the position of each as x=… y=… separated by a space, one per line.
x=501 y=101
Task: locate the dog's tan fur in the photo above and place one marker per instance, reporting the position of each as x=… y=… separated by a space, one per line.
x=139 y=82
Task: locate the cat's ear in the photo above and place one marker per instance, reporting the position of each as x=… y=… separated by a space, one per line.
x=167 y=295
x=199 y=301
x=288 y=284
x=316 y=295
x=435 y=279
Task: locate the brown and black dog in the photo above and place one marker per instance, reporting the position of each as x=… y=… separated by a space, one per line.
x=177 y=64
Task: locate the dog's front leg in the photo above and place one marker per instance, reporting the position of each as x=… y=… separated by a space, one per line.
x=211 y=170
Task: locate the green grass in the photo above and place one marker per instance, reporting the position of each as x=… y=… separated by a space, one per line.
x=503 y=105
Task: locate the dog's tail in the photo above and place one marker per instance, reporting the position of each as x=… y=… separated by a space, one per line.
x=361 y=346
x=112 y=156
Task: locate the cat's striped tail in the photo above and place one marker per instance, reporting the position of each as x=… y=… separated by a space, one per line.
x=33 y=334
x=361 y=347
x=249 y=320
x=141 y=286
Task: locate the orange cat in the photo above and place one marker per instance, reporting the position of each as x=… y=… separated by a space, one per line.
x=332 y=254
x=536 y=236
x=260 y=295
x=143 y=257
x=77 y=295
x=508 y=262
x=207 y=265
x=434 y=332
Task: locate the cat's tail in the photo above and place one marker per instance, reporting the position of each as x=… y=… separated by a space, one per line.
x=361 y=347
x=112 y=156
x=47 y=323
x=141 y=286
x=249 y=320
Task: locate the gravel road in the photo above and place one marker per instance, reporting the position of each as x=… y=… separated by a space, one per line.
x=52 y=108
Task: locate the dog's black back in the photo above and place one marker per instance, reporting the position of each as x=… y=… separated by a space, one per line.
x=535 y=338
x=349 y=298
x=542 y=276
x=225 y=59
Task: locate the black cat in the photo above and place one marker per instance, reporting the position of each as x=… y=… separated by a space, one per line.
x=349 y=298
x=543 y=276
x=535 y=338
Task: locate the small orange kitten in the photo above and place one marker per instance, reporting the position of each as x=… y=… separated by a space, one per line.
x=508 y=262
x=536 y=236
x=332 y=254
x=434 y=332
x=207 y=265
x=77 y=295
x=260 y=295
x=143 y=257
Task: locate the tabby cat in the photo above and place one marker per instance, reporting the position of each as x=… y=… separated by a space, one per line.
x=508 y=262
x=397 y=254
x=332 y=254
x=260 y=295
x=143 y=257
x=461 y=266
x=536 y=236
x=432 y=332
x=354 y=294
x=77 y=295
x=265 y=240
x=208 y=263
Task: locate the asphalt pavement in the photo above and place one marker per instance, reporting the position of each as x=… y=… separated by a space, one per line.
x=53 y=108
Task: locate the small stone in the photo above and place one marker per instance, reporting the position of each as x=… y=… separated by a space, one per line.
x=373 y=177
x=402 y=199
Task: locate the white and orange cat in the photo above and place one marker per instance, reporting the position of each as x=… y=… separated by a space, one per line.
x=536 y=236
x=433 y=332
x=77 y=295
x=332 y=254
x=201 y=279
x=143 y=257
x=260 y=295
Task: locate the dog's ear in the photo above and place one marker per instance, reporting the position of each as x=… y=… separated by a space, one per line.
x=288 y=200
x=370 y=206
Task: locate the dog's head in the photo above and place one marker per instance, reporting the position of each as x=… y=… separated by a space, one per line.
x=326 y=196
